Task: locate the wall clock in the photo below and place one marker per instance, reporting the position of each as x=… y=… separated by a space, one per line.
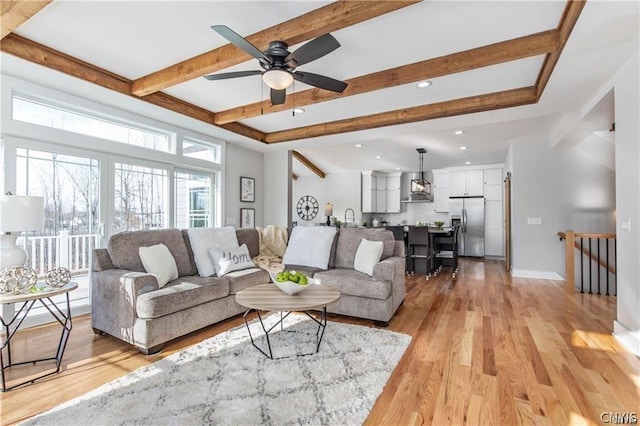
x=307 y=207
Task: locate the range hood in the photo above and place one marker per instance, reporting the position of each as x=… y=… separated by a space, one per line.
x=419 y=186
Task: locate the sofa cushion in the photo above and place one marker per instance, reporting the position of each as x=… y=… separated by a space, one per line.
x=157 y=260
x=239 y=280
x=367 y=256
x=354 y=283
x=310 y=246
x=123 y=249
x=203 y=239
x=349 y=240
x=180 y=294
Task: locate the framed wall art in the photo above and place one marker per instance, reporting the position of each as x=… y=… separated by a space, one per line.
x=247 y=218
x=247 y=189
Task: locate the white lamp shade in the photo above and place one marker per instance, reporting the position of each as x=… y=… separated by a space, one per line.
x=277 y=79
x=21 y=213
x=328 y=209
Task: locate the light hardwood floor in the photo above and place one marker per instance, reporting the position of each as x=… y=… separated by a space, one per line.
x=486 y=349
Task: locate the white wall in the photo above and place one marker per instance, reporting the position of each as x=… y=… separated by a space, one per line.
x=242 y=162
x=627 y=324
x=277 y=188
x=340 y=189
x=564 y=188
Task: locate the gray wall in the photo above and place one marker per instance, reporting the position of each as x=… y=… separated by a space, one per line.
x=340 y=189
x=627 y=325
x=242 y=162
x=564 y=188
x=277 y=186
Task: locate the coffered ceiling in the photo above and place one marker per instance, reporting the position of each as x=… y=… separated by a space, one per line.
x=499 y=69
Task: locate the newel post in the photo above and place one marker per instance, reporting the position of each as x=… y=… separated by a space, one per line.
x=569 y=259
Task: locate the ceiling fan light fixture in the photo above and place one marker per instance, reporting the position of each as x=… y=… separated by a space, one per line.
x=277 y=79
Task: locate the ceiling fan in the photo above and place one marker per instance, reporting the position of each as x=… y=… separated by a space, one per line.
x=279 y=65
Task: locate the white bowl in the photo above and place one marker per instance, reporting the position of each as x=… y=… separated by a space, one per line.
x=290 y=287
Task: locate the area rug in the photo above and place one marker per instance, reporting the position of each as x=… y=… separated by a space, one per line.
x=224 y=380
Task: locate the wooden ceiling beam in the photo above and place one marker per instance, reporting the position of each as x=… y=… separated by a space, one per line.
x=510 y=50
x=479 y=103
x=305 y=161
x=568 y=20
x=15 y=13
x=332 y=17
x=56 y=60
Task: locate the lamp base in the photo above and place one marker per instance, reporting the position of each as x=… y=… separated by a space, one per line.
x=10 y=254
x=328 y=220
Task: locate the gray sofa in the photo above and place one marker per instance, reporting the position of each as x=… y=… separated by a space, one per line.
x=375 y=297
x=128 y=304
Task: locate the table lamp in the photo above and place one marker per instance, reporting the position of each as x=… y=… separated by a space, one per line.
x=328 y=212
x=17 y=213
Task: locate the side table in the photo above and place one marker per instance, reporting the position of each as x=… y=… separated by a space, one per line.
x=13 y=324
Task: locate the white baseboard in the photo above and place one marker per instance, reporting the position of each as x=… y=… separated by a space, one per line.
x=628 y=338
x=541 y=275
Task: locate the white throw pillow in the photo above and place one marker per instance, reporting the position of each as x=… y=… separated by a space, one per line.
x=157 y=260
x=203 y=239
x=368 y=254
x=310 y=246
x=231 y=260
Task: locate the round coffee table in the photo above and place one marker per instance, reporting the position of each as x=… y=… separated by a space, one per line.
x=268 y=297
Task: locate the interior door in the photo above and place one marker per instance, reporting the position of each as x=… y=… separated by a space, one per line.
x=507 y=222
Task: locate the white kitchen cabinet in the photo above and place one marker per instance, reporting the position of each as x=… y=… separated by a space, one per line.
x=368 y=192
x=466 y=183
x=493 y=228
x=440 y=191
x=380 y=192
x=493 y=177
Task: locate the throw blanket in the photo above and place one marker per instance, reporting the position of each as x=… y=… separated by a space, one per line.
x=273 y=243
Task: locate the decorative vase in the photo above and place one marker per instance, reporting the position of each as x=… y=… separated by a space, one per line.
x=17 y=280
x=375 y=223
x=57 y=277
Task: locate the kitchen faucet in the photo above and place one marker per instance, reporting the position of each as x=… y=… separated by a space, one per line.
x=353 y=215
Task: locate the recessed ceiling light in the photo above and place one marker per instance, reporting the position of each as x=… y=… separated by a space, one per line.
x=423 y=84
x=398 y=168
x=467 y=162
x=358 y=145
x=378 y=156
x=463 y=148
x=458 y=132
x=299 y=110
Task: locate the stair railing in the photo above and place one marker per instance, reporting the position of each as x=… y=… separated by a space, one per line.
x=597 y=259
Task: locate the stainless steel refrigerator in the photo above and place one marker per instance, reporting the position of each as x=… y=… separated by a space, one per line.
x=469 y=211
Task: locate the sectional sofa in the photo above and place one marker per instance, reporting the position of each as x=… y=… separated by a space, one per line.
x=128 y=303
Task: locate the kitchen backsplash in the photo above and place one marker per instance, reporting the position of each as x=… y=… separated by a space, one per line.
x=412 y=213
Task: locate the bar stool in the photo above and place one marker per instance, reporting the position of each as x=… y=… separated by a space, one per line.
x=420 y=248
x=446 y=250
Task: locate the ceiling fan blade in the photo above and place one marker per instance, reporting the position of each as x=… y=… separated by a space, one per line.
x=278 y=96
x=316 y=48
x=240 y=42
x=320 y=81
x=226 y=75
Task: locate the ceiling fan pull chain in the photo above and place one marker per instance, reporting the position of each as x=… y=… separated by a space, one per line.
x=293 y=99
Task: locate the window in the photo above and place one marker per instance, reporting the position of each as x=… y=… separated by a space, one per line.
x=193 y=206
x=200 y=150
x=141 y=197
x=34 y=112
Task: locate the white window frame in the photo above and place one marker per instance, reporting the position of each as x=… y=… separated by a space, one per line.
x=34 y=136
